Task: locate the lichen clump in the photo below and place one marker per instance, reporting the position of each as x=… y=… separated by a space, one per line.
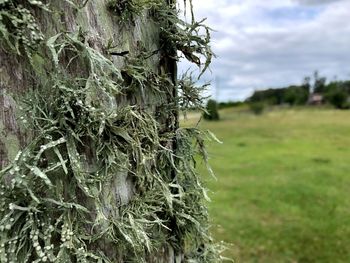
x=61 y=199
x=18 y=27
x=127 y=10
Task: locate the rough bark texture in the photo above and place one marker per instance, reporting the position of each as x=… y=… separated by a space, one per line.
x=101 y=26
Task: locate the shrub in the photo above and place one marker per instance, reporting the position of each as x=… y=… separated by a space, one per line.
x=257 y=107
x=211 y=112
x=338 y=98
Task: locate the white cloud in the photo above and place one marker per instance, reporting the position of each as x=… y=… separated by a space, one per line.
x=316 y=2
x=274 y=43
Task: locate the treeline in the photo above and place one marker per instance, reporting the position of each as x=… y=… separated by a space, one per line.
x=336 y=93
x=229 y=104
x=293 y=95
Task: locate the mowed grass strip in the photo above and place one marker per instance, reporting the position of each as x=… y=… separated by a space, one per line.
x=282 y=192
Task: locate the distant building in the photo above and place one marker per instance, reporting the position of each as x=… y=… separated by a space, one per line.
x=315 y=99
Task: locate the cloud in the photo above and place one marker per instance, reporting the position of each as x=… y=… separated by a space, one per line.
x=262 y=44
x=316 y=2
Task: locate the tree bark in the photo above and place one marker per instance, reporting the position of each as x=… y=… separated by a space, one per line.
x=100 y=27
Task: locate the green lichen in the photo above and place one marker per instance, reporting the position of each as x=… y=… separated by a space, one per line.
x=192 y=39
x=190 y=95
x=55 y=206
x=19 y=30
x=127 y=10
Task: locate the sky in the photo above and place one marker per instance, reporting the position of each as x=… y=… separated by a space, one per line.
x=264 y=44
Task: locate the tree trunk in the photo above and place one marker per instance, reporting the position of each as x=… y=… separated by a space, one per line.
x=88 y=124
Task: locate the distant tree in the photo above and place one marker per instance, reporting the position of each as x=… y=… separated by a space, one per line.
x=338 y=98
x=345 y=85
x=319 y=84
x=306 y=85
x=269 y=96
x=211 y=112
x=336 y=93
x=295 y=95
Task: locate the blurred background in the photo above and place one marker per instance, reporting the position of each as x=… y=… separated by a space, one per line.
x=280 y=102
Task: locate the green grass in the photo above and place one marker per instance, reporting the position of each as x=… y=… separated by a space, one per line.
x=282 y=193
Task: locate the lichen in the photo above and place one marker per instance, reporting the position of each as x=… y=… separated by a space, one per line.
x=127 y=10
x=54 y=201
x=19 y=30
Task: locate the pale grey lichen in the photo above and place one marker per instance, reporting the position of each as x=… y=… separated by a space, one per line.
x=53 y=199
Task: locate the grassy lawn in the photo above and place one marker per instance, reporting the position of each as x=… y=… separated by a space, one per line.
x=283 y=188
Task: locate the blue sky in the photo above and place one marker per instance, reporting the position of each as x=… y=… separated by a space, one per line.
x=274 y=43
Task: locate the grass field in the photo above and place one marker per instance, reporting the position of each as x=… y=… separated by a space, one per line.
x=283 y=188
